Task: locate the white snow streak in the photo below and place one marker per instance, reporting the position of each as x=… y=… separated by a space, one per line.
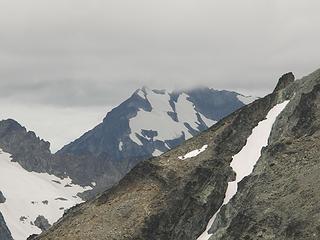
x=141 y=94
x=156 y=153
x=207 y=121
x=120 y=146
x=244 y=162
x=30 y=194
x=193 y=153
x=186 y=113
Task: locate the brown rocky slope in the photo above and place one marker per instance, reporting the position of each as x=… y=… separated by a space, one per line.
x=169 y=198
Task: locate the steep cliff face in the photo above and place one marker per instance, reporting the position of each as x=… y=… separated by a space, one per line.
x=172 y=196
x=31 y=152
x=27 y=189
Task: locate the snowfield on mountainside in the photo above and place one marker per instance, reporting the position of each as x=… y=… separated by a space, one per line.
x=30 y=194
x=244 y=162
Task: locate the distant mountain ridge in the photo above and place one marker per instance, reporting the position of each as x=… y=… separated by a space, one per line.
x=26 y=148
x=200 y=107
x=31 y=197
x=147 y=124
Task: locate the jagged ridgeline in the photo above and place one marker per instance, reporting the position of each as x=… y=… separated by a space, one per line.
x=174 y=196
x=36 y=186
x=147 y=124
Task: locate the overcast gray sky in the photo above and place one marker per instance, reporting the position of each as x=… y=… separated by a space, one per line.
x=65 y=63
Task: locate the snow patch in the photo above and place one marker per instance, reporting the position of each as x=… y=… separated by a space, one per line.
x=141 y=93
x=186 y=112
x=244 y=161
x=30 y=194
x=193 y=153
x=120 y=146
x=156 y=153
x=207 y=121
x=158 y=120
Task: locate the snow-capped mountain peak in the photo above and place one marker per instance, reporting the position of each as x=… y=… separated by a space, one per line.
x=176 y=114
x=149 y=123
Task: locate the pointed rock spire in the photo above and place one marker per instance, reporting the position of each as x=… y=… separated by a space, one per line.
x=284 y=81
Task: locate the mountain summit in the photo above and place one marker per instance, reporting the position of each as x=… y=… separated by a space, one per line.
x=147 y=124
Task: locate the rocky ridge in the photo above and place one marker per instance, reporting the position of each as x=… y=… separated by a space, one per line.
x=32 y=153
x=279 y=200
x=166 y=197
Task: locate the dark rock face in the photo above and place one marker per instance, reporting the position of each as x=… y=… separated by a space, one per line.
x=4 y=231
x=214 y=104
x=280 y=200
x=284 y=81
x=306 y=113
x=165 y=197
x=33 y=236
x=30 y=151
x=42 y=223
x=106 y=153
x=2 y=198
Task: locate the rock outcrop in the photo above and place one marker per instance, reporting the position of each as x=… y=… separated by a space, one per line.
x=2 y=198
x=31 y=152
x=280 y=199
x=284 y=81
x=42 y=223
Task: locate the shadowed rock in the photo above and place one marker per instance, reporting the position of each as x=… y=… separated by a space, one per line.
x=284 y=81
x=4 y=230
x=2 y=198
x=42 y=223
